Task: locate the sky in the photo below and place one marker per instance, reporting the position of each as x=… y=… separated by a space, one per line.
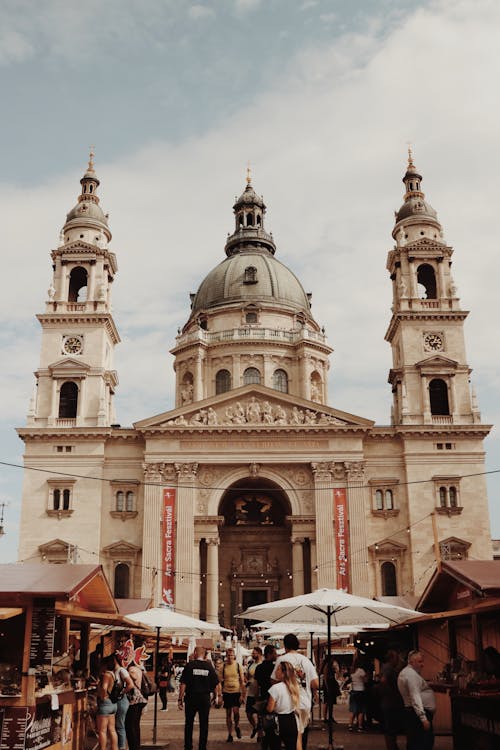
x=322 y=98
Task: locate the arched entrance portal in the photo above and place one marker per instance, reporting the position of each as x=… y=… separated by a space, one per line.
x=255 y=560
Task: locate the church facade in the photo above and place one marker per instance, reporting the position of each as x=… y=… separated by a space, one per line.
x=252 y=487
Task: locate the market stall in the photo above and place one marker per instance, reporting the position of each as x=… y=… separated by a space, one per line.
x=45 y=616
x=460 y=637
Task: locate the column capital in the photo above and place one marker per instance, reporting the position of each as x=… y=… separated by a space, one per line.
x=355 y=471
x=186 y=472
x=158 y=472
x=322 y=471
x=297 y=540
x=214 y=541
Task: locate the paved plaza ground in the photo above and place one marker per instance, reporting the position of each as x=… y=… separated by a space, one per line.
x=171 y=727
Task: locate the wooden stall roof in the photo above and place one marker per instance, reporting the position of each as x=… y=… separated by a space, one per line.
x=129 y=606
x=77 y=588
x=480 y=577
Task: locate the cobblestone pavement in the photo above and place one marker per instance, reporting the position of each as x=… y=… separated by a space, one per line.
x=171 y=728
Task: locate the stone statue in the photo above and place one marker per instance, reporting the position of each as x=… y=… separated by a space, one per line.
x=101 y=294
x=297 y=416
x=403 y=291
x=51 y=292
x=229 y=414
x=187 y=394
x=253 y=411
x=315 y=392
x=279 y=415
x=267 y=413
x=239 y=414
x=211 y=416
x=310 y=417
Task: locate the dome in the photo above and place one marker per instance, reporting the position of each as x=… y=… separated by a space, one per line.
x=87 y=210
x=415 y=206
x=251 y=277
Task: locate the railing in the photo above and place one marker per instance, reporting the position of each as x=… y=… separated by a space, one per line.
x=76 y=306
x=60 y=422
x=249 y=332
x=442 y=419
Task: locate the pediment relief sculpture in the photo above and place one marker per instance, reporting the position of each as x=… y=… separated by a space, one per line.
x=255 y=411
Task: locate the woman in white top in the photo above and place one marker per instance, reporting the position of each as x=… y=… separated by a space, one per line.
x=287 y=699
x=357 y=697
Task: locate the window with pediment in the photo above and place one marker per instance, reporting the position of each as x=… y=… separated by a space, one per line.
x=447 y=491
x=124 y=499
x=60 y=497
x=384 y=496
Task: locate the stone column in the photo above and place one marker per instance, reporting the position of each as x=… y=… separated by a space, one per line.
x=357 y=495
x=314 y=565
x=426 y=403
x=441 y=290
x=91 y=283
x=152 y=533
x=55 y=404
x=325 y=545
x=213 y=580
x=413 y=280
x=303 y=390
x=184 y=554
x=297 y=565
x=198 y=379
x=453 y=398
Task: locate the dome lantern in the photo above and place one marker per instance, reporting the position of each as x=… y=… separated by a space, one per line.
x=249 y=233
x=416 y=217
x=87 y=220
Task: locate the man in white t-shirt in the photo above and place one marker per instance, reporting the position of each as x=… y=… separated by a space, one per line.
x=305 y=670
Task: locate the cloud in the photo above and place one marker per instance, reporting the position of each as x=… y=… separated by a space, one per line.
x=328 y=142
x=14 y=47
x=198 y=12
x=244 y=6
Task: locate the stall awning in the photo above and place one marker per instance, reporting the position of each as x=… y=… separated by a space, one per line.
x=85 y=586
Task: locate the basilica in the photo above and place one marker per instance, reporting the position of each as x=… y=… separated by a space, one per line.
x=252 y=487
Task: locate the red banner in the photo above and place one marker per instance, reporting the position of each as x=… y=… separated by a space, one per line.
x=341 y=538
x=168 y=548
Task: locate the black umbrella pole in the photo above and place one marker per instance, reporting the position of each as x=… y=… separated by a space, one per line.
x=155 y=673
x=329 y=657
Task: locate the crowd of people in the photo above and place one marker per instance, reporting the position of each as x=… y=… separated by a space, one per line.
x=276 y=693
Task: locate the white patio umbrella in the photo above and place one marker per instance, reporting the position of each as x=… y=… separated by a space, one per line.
x=166 y=620
x=330 y=607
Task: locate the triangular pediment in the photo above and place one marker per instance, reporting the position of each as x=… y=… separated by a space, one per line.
x=437 y=362
x=254 y=406
x=121 y=547
x=68 y=364
x=55 y=545
x=388 y=546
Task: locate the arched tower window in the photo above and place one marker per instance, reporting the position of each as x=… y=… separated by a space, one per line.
x=57 y=499
x=426 y=279
x=379 y=500
x=452 y=494
x=388 y=575
x=438 y=397
x=442 y=497
x=249 y=220
x=223 y=381
x=280 y=381
x=77 y=285
x=68 y=400
x=251 y=376
x=122 y=581
x=389 y=500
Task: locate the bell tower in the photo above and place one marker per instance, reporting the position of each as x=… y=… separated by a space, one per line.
x=430 y=377
x=75 y=382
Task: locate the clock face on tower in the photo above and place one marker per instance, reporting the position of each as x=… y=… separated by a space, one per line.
x=72 y=344
x=433 y=342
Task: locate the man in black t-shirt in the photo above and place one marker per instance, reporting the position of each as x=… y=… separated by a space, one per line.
x=198 y=680
x=262 y=675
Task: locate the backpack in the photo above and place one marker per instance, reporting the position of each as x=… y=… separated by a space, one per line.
x=117 y=691
x=147 y=688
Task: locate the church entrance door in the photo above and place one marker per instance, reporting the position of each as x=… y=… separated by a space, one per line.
x=255 y=561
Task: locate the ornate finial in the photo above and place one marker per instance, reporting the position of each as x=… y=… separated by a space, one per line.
x=249 y=174
x=410 y=156
x=90 y=167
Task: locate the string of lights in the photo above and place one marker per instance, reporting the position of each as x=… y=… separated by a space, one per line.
x=166 y=485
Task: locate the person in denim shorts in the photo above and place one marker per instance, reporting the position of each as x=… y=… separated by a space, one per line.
x=106 y=709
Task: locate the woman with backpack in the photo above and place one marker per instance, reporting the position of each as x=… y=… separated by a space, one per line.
x=106 y=708
x=123 y=685
x=137 y=701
